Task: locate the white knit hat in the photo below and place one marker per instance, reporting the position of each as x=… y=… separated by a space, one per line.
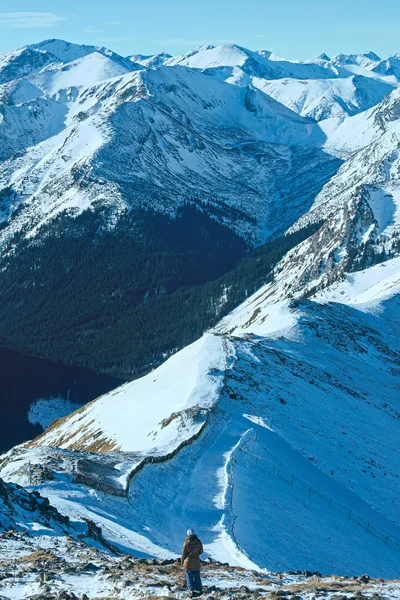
x=190 y=532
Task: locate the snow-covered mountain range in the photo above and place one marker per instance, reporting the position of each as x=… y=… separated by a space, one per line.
x=275 y=433
x=82 y=126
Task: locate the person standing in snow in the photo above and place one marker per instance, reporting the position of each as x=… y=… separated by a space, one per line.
x=192 y=548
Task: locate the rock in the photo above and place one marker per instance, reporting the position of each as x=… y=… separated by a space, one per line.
x=63 y=595
x=211 y=589
x=91 y=567
x=167 y=561
x=244 y=589
x=147 y=561
x=307 y=574
x=364 y=579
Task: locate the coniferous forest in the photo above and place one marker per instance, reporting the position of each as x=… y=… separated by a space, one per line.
x=118 y=300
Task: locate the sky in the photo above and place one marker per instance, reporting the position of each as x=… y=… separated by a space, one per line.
x=296 y=29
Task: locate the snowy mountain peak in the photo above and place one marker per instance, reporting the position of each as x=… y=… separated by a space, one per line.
x=371 y=55
x=321 y=58
x=365 y=59
x=66 y=51
x=150 y=60
x=212 y=56
x=389 y=67
x=270 y=55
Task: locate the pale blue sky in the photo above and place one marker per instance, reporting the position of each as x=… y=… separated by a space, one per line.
x=293 y=28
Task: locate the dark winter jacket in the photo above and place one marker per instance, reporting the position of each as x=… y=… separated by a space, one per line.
x=192 y=548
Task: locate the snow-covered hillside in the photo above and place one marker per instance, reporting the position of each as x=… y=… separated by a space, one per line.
x=326 y=98
x=280 y=424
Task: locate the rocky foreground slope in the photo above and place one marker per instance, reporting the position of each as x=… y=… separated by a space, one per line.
x=43 y=558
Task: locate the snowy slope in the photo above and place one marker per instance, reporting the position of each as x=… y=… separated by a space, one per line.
x=167 y=407
x=82 y=72
x=389 y=66
x=67 y=52
x=30 y=122
x=326 y=98
x=297 y=399
x=150 y=60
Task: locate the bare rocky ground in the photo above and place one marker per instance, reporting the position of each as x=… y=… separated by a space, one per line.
x=46 y=556
x=52 y=567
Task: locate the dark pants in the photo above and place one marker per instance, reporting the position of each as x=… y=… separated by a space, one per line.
x=193 y=581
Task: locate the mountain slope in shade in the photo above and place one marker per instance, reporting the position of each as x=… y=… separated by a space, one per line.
x=23 y=62
x=389 y=66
